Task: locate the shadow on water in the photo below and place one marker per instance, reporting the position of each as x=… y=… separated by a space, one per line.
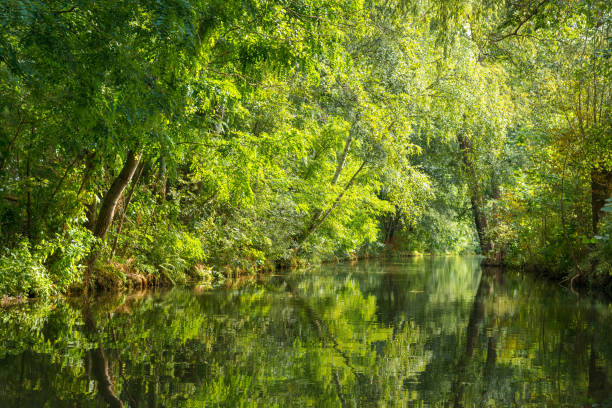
x=437 y=331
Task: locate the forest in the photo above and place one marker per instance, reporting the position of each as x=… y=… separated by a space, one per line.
x=164 y=142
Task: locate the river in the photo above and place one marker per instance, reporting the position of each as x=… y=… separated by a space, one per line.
x=431 y=331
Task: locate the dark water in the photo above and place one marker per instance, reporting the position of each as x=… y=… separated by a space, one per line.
x=420 y=332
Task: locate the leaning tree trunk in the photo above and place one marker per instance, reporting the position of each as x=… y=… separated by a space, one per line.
x=342 y=159
x=112 y=196
x=339 y=167
x=321 y=215
x=109 y=206
x=601 y=189
x=135 y=179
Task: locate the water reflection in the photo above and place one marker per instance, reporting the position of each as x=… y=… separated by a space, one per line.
x=418 y=332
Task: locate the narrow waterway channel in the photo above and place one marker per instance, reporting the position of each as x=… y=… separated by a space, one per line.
x=436 y=331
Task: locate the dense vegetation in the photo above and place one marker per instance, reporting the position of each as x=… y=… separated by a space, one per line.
x=148 y=140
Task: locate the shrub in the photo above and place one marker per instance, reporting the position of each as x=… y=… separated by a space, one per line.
x=22 y=272
x=47 y=268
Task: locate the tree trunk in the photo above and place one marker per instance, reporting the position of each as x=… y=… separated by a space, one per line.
x=391 y=226
x=112 y=196
x=334 y=180
x=476 y=199
x=162 y=178
x=601 y=189
x=321 y=216
x=29 y=195
x=480 y=221
x=108 y=208
x=136 y=177
x=342 y=159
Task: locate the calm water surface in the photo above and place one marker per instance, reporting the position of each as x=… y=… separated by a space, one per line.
x=418 y=332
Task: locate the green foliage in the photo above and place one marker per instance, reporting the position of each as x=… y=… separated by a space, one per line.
x=23 y=272
x=557 y=156
x=66 y=254
x=48 y=268
x=273 y=132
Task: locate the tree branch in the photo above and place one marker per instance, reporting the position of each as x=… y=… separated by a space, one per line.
x=70 y=10
x=527 y=18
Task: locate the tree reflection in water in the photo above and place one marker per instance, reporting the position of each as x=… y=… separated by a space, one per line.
x=436 y=331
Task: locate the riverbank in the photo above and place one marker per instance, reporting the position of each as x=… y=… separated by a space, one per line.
x=124 y=276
